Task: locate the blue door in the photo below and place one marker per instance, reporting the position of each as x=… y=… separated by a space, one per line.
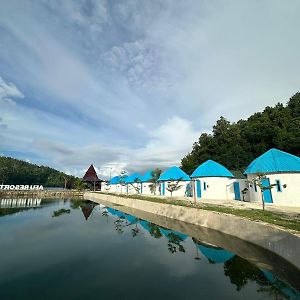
x=267 y=193
x=237 y=194
x=162 y=190
x=198 y=187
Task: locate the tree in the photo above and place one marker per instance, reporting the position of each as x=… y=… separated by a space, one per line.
x=123 y=175
x=155 y=175
x=173 y=185
x=258 y=180
x=235 y=145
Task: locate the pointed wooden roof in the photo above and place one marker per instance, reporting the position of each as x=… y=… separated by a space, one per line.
x=91 y=175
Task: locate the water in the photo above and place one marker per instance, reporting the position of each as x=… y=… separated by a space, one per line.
x=74 y=249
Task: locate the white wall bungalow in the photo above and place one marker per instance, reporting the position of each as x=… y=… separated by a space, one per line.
x=282 y=170
x=214 y=181
x=171 y=176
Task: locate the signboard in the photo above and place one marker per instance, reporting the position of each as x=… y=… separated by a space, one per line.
x=21 y=187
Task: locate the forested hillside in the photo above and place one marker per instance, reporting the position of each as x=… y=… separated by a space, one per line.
x=235 y=145
x=14 y=171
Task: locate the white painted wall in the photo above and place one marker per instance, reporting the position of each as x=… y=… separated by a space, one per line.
x=220 y=188
x=146 y=189
x=178 y=193
x=132 y=188
x=289 y=196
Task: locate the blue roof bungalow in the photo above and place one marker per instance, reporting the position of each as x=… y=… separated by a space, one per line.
x=174 y=176
x=213 y=181
x=146 y=180
x=112 y=184
x=134 y=184
x=282 y=170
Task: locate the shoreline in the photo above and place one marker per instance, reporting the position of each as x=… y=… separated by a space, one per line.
x=282 y=242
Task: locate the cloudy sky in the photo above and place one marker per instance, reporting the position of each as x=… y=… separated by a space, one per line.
x=132 y=84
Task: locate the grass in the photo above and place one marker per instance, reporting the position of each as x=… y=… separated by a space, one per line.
x=278 y=219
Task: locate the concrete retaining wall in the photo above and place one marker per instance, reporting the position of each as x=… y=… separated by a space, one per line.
x=272 y=238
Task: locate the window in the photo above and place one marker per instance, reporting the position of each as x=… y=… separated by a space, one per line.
x=204 y=186
x=255 y=187
x=278 y=185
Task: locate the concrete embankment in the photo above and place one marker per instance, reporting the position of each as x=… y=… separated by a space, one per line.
x=41 y=194
x=272 y=238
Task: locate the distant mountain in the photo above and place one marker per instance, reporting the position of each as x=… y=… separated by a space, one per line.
x=15 y=171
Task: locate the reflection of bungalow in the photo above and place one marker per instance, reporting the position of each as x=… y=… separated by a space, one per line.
x=213 y=253
x=282 y=170
x=168 y=233
x=214 y=181
x=281 y=286
x=173 y=175
x=134 y=184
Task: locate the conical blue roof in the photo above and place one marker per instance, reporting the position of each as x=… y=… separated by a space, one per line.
x=133 y=178
x=147 y=176
x=211 y=168
x=174 y=173
x=115 y=180
x=274 y=161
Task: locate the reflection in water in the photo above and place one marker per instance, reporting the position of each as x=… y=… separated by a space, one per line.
x=20 y=202
x=143 y=260
x=239 y=270
x=60 y=212
x=10 y=206
x=87 y=208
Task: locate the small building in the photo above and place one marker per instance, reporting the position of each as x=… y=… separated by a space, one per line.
x=214 y=181
x=112 y=184
x=91 y=178
x=147 y=182
x=174 y=176
x=280 y=169
x=134 y=184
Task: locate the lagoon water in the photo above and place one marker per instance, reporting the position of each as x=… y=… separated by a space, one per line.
x=75 y=249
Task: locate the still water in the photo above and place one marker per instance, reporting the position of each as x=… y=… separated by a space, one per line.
x=75 y=249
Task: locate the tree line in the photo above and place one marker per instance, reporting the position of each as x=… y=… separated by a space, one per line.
x=14 y=171
x=236 y=144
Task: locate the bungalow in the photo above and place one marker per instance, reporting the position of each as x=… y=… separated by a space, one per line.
x=146 y=180
x=133 y=184
x=214 y=181
x=173 y=176
x=281 y=170
x=112 y=184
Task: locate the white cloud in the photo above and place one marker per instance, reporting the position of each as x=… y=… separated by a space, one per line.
x=9 y=91
x=131 y=84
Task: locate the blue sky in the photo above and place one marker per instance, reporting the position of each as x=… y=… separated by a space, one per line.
x=132 y=84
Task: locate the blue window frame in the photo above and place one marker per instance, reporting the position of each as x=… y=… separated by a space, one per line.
x=278 y=185
x=204 y=186
x=255 y=187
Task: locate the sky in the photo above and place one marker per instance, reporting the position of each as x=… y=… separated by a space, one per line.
x=131 y=84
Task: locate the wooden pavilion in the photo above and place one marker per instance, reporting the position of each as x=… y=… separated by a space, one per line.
x=91 y=177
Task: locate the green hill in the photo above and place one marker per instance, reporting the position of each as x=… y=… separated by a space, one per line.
x=15 y=171
x=235 y=145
